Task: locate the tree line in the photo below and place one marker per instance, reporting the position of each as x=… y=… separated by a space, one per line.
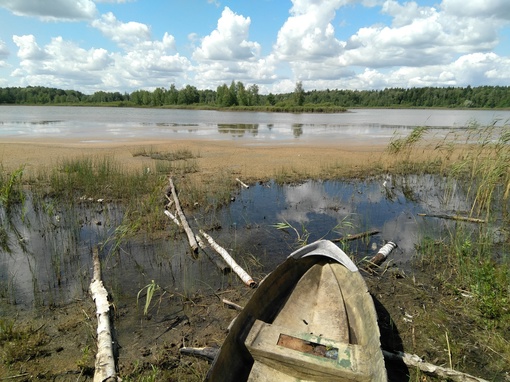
x=238 y=95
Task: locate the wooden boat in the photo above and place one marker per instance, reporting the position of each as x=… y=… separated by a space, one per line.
x=311 y=319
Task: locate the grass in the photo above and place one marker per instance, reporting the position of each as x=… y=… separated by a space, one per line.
x=11 y=191
x=19 y=343
x=465 y=261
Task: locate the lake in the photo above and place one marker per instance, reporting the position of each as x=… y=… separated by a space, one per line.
x=97 y=124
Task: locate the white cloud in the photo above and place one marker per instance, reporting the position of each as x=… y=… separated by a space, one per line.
x=308 y=33
x=4 y=52
x=52 y=10
x=124 y=34
x=60 y=63
x=229 y=41
x=28 y=48
x=498 y=9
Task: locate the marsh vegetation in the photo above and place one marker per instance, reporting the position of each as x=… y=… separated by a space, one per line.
x=445 y=296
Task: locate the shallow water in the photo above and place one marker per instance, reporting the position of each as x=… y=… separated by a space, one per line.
x=48 y=259
x=93 y=124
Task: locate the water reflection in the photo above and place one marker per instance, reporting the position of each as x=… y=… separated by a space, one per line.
x=46 y=257
x=116 y=124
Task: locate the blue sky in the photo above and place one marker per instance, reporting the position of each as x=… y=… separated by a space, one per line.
x=125 y=45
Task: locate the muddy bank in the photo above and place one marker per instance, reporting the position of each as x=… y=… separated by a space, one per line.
x=418 y=312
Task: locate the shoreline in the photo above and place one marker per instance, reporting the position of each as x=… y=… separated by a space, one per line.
x=253 y=161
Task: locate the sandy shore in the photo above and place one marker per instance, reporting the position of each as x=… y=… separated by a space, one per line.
x=251 y=161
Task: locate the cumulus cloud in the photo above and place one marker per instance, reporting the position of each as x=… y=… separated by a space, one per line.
x=52 y=10
x=418 y=36
x=498 y=9
x=58 y=63
x=453 y=43
x=144 y=62
x=4 y=52
x=124 y=34
x=308 y=33
x=229 y=41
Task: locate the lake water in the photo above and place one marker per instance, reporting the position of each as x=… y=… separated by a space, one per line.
x=47 y=256
x=95 y=124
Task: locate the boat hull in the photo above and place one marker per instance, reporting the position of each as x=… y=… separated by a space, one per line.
x=311 y=319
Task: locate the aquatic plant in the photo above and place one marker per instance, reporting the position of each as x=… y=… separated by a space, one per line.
x=11 y=189
x=301 y=237
x=150 y=290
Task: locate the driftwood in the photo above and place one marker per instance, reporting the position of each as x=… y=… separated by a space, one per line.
x=242 y=184
x=191 y=237
x=230 y=261
x=443 y=372
x=172 y=217
x=452 y=217
x=223 y=267
x=220 y=263
x=105 y=361
x=356 y=236
x=232 y=305
x=382 y=254
x=207 y=353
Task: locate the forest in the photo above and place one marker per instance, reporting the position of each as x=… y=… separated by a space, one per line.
x=238 y=96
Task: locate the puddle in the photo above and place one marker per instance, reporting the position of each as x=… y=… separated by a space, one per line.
x=47 y=257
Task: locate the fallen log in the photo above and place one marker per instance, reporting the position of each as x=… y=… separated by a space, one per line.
x=172 y=217
x=105 y=361
x=454 y=217
x=382 y=254
x=207 y=353
x=232 y=305
x=223 y=267
x=439 y=371
x=191 y=237
x=247 y=279
x=242 y=184
x=356 y=236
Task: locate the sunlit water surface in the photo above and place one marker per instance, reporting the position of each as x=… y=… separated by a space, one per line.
x=48 y=258
x=96 y=124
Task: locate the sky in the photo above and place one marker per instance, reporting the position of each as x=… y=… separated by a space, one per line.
x=127 y=45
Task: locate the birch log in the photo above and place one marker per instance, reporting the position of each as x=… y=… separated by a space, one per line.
x=191 y=237
x=443 y=372
x=382 y=254
x=223 y=267
x=230 y=261
x=105 y=361
x=242 y=183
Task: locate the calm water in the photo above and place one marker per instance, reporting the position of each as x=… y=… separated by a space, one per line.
x=48 y=256
x=119 y=124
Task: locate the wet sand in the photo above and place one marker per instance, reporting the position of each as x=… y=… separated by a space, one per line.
x=249 y=160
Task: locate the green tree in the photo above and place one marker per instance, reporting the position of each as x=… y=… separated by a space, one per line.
x=299 y=94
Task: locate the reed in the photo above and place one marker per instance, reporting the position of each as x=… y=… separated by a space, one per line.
x=11 y=191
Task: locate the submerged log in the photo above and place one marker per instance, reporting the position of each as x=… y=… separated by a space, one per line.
x=105 y=361
x=247 y=279
x=454 y=217
x=191 y=237
x=357 y=236
x=439 y=371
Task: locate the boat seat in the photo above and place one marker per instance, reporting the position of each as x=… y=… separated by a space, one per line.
x=303 y=355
